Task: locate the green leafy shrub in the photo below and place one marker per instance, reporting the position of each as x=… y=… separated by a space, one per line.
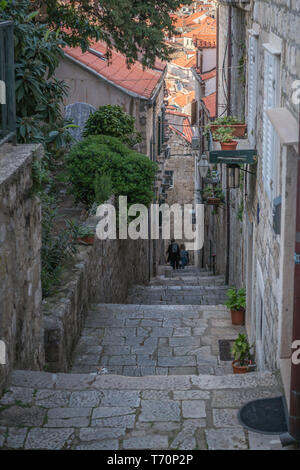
x=132 y=174
x=241 y=349
x=223 y=134
x=103 y=188
x=39 y=94
x=226 y=120
x=57 y=245
x=112 y=121
x=236 y=298
x=215 y=191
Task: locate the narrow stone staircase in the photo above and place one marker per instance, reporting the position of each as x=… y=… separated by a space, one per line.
x=170 y=327
x=146 y=375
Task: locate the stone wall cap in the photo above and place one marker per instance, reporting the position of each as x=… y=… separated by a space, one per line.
x=285 y=125
x=14 y=157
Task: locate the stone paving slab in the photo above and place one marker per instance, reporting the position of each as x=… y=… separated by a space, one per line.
x=145 y=375
x=117 y=412
x=154 y=340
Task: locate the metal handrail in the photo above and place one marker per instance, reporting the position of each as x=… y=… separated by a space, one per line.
x=7 y=84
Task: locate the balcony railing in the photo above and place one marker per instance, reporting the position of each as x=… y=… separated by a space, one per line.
x=7 y=84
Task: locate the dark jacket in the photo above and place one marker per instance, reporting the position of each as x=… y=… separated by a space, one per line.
x=173 y=252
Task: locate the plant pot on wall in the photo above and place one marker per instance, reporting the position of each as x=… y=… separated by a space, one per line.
x=86 y=240
x=238 y=369
x=238 y=317
x=229 y=145
x=213 y=201
x=238 y=130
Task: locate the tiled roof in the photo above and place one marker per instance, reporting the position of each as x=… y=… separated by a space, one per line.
x=186 y=62
x=207 y=26
x=208 y=75
x=210 y=104
x=178 y=22
x=205 y=41
x=180 y=123
x=134 y=79
x=190 y=20
x=182 y=99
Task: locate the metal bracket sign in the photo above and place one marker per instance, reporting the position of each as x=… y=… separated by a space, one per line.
x=297 y=258
x=229 y=157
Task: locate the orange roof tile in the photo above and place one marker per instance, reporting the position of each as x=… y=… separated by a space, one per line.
x=134 y=79
x=182 y=99
x=185 y=62
x=190 y=19
x=171 y=110
x=205 y=41
x=210 y=104
x=207 y=26
x=208 y=75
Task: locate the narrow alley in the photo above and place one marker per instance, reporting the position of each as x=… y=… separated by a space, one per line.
x=187 y=398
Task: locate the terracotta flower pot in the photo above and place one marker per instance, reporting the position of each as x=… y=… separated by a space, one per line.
x=213 y=201
x=238 y=317
x=238 y=130
x=86 y=240
x=229 y=145
x=237 y=369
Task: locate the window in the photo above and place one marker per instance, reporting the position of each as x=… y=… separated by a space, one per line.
x=270 y=141
x=252 y=80
x=169 y=178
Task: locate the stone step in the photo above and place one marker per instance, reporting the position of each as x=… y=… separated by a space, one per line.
x=140 y=340
x=41 y=410
x=188 y=280
x=36 y=380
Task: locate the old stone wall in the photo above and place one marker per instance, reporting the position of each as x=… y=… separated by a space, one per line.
x=182 y=163
x=21 y=326
x=101 y=273
x=276 y=21
x=216 y=243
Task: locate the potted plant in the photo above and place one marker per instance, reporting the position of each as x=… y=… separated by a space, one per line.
x=213 y=196
x=238 y=127
x=241 y=355
x=236 y=303
x=225 y=137
x=86 y=235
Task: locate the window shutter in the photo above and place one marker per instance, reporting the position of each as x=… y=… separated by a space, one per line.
x=252 y=81
x=159 y=135
x=163 y=124
x=270 y=84
x=194 y=113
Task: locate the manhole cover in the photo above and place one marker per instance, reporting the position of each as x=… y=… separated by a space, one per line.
x=267 y=416
x=225 y=346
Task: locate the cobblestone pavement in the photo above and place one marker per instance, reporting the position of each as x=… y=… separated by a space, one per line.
x=176 y=336
x=81 y=411
x=165 y=386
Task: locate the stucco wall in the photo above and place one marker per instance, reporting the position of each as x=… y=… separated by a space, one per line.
x=86 y=87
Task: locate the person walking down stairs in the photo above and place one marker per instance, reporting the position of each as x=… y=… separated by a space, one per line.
x=173 y=254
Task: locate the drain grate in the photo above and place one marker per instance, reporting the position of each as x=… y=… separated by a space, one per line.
x=267 y=416
x=225 y=346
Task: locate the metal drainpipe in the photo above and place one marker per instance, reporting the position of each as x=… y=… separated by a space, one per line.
x=227 y=178
x=229 y=60
x=293 y=436
x=217 y=65
x=149 y=212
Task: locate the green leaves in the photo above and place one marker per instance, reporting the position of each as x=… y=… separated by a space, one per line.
x=135 y=28
x=131 y=173
x=241 y=349
x=236 y=298
x=37 y=53
x=112 y=121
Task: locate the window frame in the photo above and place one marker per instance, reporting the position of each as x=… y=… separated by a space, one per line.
x=271 y=99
